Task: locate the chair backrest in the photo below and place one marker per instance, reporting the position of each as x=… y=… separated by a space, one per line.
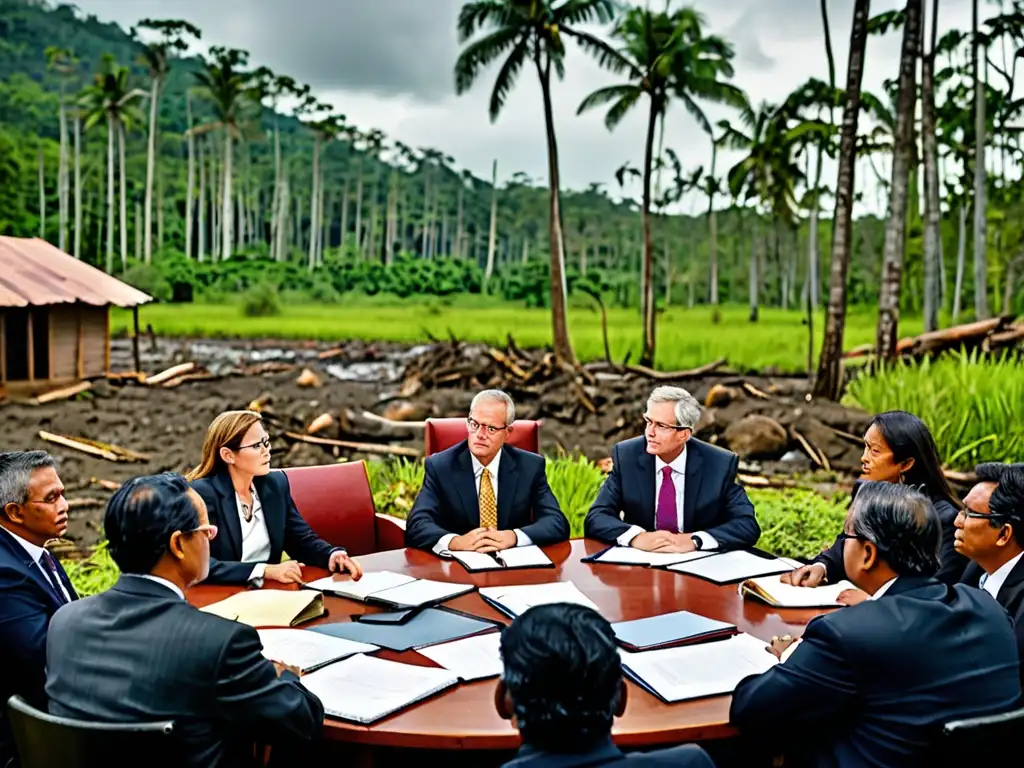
x=336 y=501
x=444 y=433
x=965 y=740
x=45 y=741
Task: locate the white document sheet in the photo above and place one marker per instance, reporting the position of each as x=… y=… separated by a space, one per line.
x=705 y=669
x=477 y=561
x=518 y=599
x=524 y=557
x=371 y=582
x=787 y=596
x=471 y=658
x=422 y=591
x=365 y=689
x=308 y=650
x=732 y=566
x=631 y=556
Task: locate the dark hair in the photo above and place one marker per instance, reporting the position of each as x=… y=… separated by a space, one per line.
x=141 y=516
x=909 y=438
x=563 y=674
x=1007 y=502
x=902 y=523
x=16 y=468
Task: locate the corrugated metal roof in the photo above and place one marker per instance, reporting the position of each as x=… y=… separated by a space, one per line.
x=33 y=272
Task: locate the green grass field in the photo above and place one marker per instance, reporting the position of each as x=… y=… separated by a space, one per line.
x=685 y=338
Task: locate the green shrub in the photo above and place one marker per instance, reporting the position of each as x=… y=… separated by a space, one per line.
x=261 y=300
x=95 y=574
x=797 y=523
x=149 y=279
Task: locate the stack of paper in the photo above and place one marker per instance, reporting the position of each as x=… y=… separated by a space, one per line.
x=694 y=671
x=395 y=590
x=308 y=651
x=771 y=590
x=506 y=559
x=726 y=567
x=516 y=600
x=678 y=628
x=270 y=607
x=365 y=689
x=631 y=556
x=473 y=658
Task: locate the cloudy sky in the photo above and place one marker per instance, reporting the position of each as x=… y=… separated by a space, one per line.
x=387 y=64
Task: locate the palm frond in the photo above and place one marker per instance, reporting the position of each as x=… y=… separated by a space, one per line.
x=606 y=56
x=574 y=12
x=506 y=78
x=479 y=14
x=479 y=54
x=602 y=96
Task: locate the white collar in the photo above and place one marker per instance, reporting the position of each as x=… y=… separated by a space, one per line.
x=884 y=588
x=678 y=464
x=34 y=550
x=159 y=580
x=995 y=580
x=492 y=467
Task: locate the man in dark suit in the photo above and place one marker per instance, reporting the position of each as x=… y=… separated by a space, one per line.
x=140 y=653
x=482 y=495
x=674 y=493
x=990 y=531
x=33 y=585
x=871 y=684
x=562 y=687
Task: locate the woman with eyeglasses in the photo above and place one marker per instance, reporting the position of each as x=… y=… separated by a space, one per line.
x=253 y=509
x=898 y=448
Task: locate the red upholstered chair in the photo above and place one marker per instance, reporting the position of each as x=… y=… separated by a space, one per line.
x=336 y=501
x=444 y=433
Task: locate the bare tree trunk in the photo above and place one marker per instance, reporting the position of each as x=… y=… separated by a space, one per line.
x=981 y=310
x=756 y=244
x=647 y=302
x=42 y=194
x=344 y=216
x=62 y=175
x=281 y=214
x=78 y=186
x=359 y=210
x=829 y=382
x=191 y=183
x=201 y=161
x=276 y=224
x=489 y=270
x=154 y=96
x=932 y=212
x=124 y=195
x=458 y=220
x=227 y=213
x=314 y=206
x=1011 y=283
x=138 y=231
x=961 y=258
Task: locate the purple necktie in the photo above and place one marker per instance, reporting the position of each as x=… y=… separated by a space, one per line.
x=55 y=581
x=667 y=518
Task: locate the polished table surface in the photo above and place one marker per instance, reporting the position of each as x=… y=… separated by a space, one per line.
x=464 y=717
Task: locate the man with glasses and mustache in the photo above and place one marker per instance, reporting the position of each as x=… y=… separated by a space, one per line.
x=482 y=495
x=990 y=531
x=139 y=652
x=669 y=491
x=33 y=585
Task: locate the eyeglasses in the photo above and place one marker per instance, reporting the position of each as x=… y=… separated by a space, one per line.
x=842 y=537
x=474 y=427
x=1004 y=516
x=209 y=530
x=659 y=427
x=47 y=502
x=264 y=443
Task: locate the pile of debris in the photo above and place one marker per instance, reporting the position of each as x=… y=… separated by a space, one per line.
x=985 y=336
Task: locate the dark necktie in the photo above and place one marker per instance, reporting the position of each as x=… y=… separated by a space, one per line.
x=49 y=564
x=668 y=519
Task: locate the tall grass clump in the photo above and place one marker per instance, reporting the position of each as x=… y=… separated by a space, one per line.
x=973 y=405
x=97 y=573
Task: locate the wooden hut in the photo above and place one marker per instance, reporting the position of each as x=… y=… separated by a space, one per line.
x=54 y=316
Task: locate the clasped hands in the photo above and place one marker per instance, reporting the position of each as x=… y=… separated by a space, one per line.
x=663 y=541
x=813 y=575
x=290 y=572
x=484 y=540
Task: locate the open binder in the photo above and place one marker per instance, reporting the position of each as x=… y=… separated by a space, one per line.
x=393 y=590
x=515 y=558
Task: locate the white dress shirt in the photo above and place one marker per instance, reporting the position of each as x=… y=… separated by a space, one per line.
x=993 y=582
x=159 y=580
x=255 y=537
x=522 y=540
x=678 y=476
x=36 y=553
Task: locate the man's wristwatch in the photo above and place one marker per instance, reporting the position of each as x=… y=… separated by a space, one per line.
x=698 y=542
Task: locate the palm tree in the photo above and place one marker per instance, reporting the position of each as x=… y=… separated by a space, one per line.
x=828 y=382
x=981 y=310
x=933 y=215
x=226 y=84
x=62 y=61
x=109 y=98
x=664 y=55
x=532 y=32
x=156 y=56
x=896 y=227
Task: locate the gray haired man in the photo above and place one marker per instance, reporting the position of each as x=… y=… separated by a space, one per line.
x=33 y=585
x=669 y=491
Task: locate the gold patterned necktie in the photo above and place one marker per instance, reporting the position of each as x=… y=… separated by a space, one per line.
x=488 y=504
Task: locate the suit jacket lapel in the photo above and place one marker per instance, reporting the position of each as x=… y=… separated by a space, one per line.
x=35 y=570
x=972 y=574
x=645 y=462
x=465 y=485
x=66 y=581
x=228 y=514
x=508 y=479
x=691 y=488
x=273 y=514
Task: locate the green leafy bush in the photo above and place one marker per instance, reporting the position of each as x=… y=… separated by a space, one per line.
x=149 y=279
x=261 y=300
x=95 y=574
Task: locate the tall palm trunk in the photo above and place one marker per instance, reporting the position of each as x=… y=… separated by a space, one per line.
x=147 y=236
x=227 y=214
x=981 y=310
x=42 y=193
x=458 y=220
x=191 y=183
x=62 y=175
x=78 y=186
x=829 y=382
x=314 y=206
x=647 y=278
x=493 y=232
x=275 y=223
x=961 y=257
x=896 y=228
x=111 y=131
x=559 y=321
x=124 y=195
x=932 y=214
x=201 y=162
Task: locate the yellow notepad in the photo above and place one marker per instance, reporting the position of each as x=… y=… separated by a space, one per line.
x=270 y=608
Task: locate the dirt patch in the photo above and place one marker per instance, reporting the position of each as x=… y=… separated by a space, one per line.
x=168 y=423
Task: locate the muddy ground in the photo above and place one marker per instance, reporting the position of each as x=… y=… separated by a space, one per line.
x=768 y=426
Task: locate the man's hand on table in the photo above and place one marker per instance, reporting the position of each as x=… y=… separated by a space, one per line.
x=663 y=541
x=484 y=540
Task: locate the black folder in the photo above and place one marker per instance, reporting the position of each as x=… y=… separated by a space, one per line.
x=429 y=626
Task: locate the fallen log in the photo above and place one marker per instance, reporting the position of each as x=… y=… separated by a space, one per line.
x=63 y=393
x=393 y=422
x=650 y=373
x=86 y=503
x=94 y=448
x=387 y=450
x=170 y=373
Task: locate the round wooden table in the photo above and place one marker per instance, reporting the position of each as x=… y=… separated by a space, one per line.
x=464 y=717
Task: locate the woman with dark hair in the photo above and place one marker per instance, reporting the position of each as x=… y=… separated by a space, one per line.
x=898 y=448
